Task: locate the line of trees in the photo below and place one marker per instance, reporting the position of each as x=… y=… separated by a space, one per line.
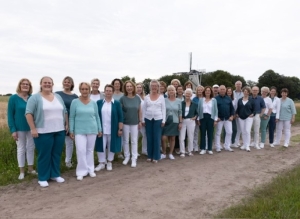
x=268 y=78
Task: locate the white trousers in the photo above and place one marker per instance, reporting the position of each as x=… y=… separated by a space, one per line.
x=238 y=132
x=188 y=126
x=106 y=144
x=286 y=126
x=246 y=125
x=132 y=131
x=228 y=129
x=144 y=140
x=85 y=154
x=256 y=126
x=196 y=137
x=69 y=149
x=25 y=147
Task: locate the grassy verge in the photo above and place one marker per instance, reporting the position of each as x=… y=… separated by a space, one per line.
x=9 y=170
x=278 y=199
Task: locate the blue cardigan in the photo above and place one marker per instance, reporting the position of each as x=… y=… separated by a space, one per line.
x=116 y=118
x=214 y=113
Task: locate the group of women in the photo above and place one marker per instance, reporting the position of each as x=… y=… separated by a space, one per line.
x=168 y=117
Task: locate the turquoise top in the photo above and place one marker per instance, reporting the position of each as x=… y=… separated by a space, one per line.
x=84 y=118
x=287 y=109
x=174 y=109
x=16 y=114
x=35 y=107
x=214 y=113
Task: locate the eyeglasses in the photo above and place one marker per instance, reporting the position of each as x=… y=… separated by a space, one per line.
x=25 y=84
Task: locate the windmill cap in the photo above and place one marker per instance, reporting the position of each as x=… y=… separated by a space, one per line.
x=215 y=85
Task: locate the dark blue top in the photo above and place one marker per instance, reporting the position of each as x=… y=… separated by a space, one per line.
x=259 y=104
x=225 y=107
x=244 y=111
x=196 y=99
x=67 y=98
x=193 y=110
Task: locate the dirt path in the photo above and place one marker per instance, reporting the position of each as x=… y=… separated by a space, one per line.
x=193 y=187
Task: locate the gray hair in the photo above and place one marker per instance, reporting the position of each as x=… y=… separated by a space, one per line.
x=189 y=90
x=265 y=89
x=154 y=81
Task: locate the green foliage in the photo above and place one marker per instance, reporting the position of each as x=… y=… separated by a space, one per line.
x=221 y=77
x=271 y=78
x=127 y=78
x=168 y=78
x=251 y=83
x=146 y=83
x=278 y=199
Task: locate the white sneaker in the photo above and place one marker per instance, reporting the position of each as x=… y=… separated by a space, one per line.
x=163 y=156
x=257 y=147
x=58 y=179
x=101 y=166
x=234 y=146
x=248 y=149
x=272 y=145
x=285 y=145
x=243 y=147
x=218 y=150
x=33 y=172
x=210 y=152
x=252 y=144
x=79 y=178
x=182 y=155
x=229 y=149
x=125 y=162
x=202 y=152
x=109 y=166
x=69 y=164
x=21 y=176
x=43 y=183
x=275 y=143
x=92 y=174
x=133 y=163
x=171 y=157
x=261 y=145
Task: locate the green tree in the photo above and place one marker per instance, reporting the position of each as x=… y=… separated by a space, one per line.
x=127 y=78
x=168 y=78
x=146 y=83
x=221 y=77
x=251 y=83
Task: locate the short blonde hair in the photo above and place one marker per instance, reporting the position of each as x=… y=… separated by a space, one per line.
x=95 y=79
x=175 y=80
x=142 y=85
x=18 y=90
x=171 y=87
x=133 y=85
x=265 y=89
x=84 y=83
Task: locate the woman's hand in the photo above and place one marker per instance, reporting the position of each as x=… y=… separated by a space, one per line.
x=293 y=120
x=180 y=126
x=251 y=116
x=15 y=136
x=120 y=132
x=140 y=125
x=162 y=124
x=215 y=123
x=67 y=128
x=198 y=122
x=72 y=136
x=143 y=124
x=99 y=134
x=34 y=133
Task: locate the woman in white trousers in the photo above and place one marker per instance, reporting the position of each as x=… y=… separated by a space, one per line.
x=84 y=111
x=189 y=115
x=286 y=118
x=244 y=113
x=19 y=127
x=132 y=114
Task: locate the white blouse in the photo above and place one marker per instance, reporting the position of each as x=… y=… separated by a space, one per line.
x=53 y=116
x=106 y=117
x=269 y=105
x=154 y=109
x=207 y=107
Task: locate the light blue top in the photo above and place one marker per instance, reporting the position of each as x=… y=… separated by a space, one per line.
x=35 y=107
x=287 y=109
x=84 y=118
x=173 y=108
x=16 y=114
x=214 y=110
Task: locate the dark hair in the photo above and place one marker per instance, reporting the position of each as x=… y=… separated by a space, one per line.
x=231 y=96
x=71 y=80
x=179 y=86
x=109 y=85
x=285 y=90
x=211 y=91
x=120 y=81
x=163 y=84
x=186 y=83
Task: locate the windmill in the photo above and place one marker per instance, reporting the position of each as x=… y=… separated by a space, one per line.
x=193 y=74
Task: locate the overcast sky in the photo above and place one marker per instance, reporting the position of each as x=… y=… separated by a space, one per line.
x=145 y=39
